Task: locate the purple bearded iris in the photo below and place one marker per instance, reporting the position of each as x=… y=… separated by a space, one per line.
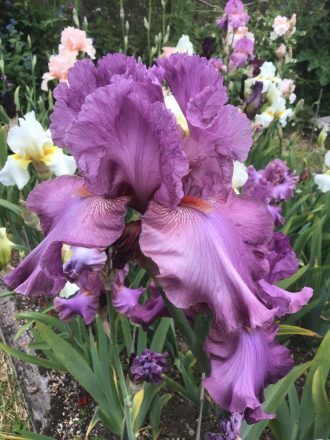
x=209 y=247
x=235 y=15
x=273 y=185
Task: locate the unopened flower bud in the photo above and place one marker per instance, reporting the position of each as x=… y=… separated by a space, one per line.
x=322 y=137
x=146 y=24
x=5 y=248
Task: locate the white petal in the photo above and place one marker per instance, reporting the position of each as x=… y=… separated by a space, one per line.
x=264 y=119
x=185 y=46
x=288 y=114
x=323 y=182
x=29 y=138
x=327 y=159
x=292 y=98
x=173 y=105
x=68 y=290
x=267 y=70
x=240 y=175
x=15 y=172
x=60 y=163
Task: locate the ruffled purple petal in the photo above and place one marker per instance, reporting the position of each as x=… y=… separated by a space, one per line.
x=136 y=148
x=124 y=298
x=283 y=262
x=210 y=252
x=84 y=78
x=80 y=220
x=242 y=365
x=85 y=303
x=286 y=302
x=282 y=179
x=209 y=176
x=146 y=313
x=187 y=76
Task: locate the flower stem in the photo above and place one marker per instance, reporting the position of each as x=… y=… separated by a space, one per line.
x=128 y=433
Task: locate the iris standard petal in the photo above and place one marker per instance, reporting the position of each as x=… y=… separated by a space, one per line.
x=84 y=78
x=136 y=147
x=187 y=76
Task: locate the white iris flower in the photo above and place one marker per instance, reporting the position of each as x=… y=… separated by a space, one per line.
x=32 y=144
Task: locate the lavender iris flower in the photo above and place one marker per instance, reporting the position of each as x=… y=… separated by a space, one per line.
x=275 y=184
x=206 y=245
x=234 y=16
x=243 y=51
x=149 y=366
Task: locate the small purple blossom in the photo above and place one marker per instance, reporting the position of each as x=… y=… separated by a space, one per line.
x=149 y=366
x=85 y=302
x=243 y=51
x=218 y=64
x=235 y=15
x=282 y=179
x=126 y=301
x=275 y=184
x=124 y=298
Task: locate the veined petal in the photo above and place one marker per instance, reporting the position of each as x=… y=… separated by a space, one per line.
x=58 y=162
x=136 y=147
x=242 y=365
x=15 y=171
x=210 y=252
x=69 y=214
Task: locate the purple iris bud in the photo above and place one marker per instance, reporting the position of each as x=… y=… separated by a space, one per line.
x=228 y=429
x=84 y=259
x=149 y=366
x=254 y=101
x=218 y=64
x=256 y=64
x=208 y=47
